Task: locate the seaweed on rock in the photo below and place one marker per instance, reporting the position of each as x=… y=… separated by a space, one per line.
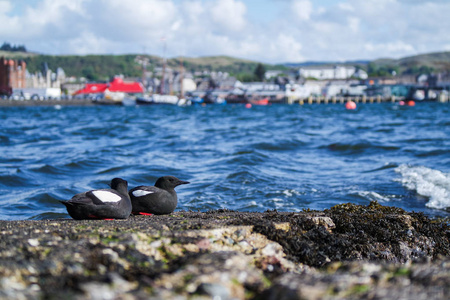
x=373 y=232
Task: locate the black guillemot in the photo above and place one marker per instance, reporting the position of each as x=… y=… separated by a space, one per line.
x=160 y=199
x=106 y=204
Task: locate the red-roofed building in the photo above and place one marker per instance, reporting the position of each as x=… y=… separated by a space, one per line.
x=92 y=88
x=115 y=87
x=118 y=85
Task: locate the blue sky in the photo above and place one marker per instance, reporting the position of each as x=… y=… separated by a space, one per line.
x=272 y=31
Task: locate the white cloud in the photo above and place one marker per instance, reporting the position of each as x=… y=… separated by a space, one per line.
x=354 y=24
x=286 y=49
x=302 y=9
x=229 y=15
x=5 y=7
x=7 y=32
x=299 y=30
x=346 y=6
x=87 y=42
x=140 y=19
x=395 y=47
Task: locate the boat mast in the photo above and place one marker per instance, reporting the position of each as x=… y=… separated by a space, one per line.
x=181 y=78
x=163 y=68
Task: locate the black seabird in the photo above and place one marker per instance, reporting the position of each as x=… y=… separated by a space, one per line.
x=160 y=199
x=107 y=204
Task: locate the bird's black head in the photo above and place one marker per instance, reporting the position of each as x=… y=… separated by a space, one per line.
x=169 y=182
x=116 y=182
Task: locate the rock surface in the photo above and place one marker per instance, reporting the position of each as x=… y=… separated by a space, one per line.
x=346 y=252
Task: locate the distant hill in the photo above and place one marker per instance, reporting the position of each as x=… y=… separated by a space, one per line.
x=15 y=54
x=433 y=62
x=103 y=67
x=327 y=63
x=412 y=65
x=93 y=67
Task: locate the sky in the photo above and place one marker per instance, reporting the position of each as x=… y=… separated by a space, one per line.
x=269 y=31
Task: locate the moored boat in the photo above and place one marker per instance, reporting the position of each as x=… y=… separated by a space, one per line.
x=264 y=101
x=157 y=99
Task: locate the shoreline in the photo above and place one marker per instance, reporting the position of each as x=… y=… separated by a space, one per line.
x=305 y=101
x=31 y=103
x=347 y=251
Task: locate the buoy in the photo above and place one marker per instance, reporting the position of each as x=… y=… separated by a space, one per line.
x=248 y=105
x=411 y=103
x=350 y=105
x=401 y=102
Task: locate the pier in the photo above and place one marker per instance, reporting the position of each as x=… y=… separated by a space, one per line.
x=443 y=98
x=356 y=99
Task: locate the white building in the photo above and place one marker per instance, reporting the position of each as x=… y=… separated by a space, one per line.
x=272 y=73
x=331 y=72
x=296 y=91
x=343 y=88
x=260 y=86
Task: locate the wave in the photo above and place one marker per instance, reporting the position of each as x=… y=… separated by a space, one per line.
x=358 y=148
x=371 y=196
x=280 y=145
x=385 y=167
x=429 y=183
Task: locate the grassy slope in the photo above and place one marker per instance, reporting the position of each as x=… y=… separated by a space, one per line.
x=439 y=61
x=105 y=66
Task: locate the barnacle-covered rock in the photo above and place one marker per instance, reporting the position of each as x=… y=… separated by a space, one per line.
x=348 y=251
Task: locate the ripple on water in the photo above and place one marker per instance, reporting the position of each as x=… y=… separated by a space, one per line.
x=284 y=157
x=17 y=179
x=358 y=148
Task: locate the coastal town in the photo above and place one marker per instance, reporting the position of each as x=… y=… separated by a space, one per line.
x=330 y=83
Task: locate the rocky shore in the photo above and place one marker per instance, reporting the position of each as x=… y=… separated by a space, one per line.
x=348 y=251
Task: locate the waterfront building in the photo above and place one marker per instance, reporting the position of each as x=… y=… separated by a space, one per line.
x=331 y=72
x=12 y=75
x=115 y=90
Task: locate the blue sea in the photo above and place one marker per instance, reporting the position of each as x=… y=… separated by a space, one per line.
x=283 y=157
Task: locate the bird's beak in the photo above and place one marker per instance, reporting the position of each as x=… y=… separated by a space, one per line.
x=182 y=182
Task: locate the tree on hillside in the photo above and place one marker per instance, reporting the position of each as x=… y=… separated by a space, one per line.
x=246 y=77
x=420 y=70
x=260 y=72
x=375 y=70
x=7 y=47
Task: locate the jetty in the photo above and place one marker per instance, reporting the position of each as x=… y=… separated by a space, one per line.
x=344 y=99
x=357 y=99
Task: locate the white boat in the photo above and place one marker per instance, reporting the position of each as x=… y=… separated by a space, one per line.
x=158 y=99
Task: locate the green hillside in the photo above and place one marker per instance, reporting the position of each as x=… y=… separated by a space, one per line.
x=18 y=54
x=93 y=67
x=219 y=63
x=103 y=67
x=414 y=65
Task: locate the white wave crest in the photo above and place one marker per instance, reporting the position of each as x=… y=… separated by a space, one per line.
x=290 y=193
x=427 y=182
x=373 y=196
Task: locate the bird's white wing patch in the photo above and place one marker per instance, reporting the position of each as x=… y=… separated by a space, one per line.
x=106 y=196
x=140 y=193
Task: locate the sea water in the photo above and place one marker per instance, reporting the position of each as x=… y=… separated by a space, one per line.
x=283 y=157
